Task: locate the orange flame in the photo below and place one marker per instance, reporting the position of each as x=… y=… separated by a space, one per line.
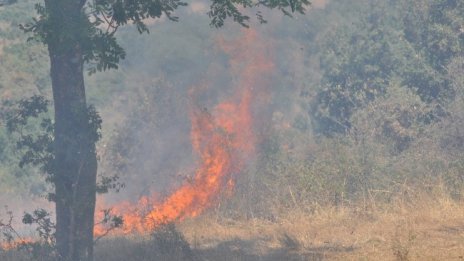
x=223 y=138
x=16 y=243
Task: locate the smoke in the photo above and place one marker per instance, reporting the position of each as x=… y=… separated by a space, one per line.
x=200 y=102
x=319 y=3
x=222 y=138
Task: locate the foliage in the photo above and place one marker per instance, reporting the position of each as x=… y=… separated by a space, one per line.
x=110 y=222
x=42 y=248
x=384 y=47
x=9 y=234
x=388 y=153
x=358 y=63
x=95 y=29
x=396 y=119
x=36 y=145
x=45 y=226
x=170 y=243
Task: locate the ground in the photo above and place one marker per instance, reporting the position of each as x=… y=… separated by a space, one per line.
x=431 y=229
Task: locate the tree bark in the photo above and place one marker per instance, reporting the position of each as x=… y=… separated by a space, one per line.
x=75 y=165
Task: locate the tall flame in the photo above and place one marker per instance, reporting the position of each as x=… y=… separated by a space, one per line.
x=223 y=139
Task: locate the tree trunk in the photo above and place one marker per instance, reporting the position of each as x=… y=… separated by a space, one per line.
x=75 y=165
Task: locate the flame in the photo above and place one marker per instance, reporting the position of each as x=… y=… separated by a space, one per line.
x=223 y=139
x=16 y=243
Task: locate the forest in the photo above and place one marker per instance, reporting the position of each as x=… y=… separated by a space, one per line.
x=231 y=130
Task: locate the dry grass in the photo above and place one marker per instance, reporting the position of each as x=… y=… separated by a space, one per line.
x=428 y=229
x=424 y=228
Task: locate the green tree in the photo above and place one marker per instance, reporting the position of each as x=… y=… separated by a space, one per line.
x=411 y=43
x=80 y=33
x=358 y=63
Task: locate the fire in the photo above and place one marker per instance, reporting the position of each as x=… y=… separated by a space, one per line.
x=16 y=243
x=222 y=137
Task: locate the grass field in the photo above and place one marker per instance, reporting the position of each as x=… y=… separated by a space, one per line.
x=428 y=229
